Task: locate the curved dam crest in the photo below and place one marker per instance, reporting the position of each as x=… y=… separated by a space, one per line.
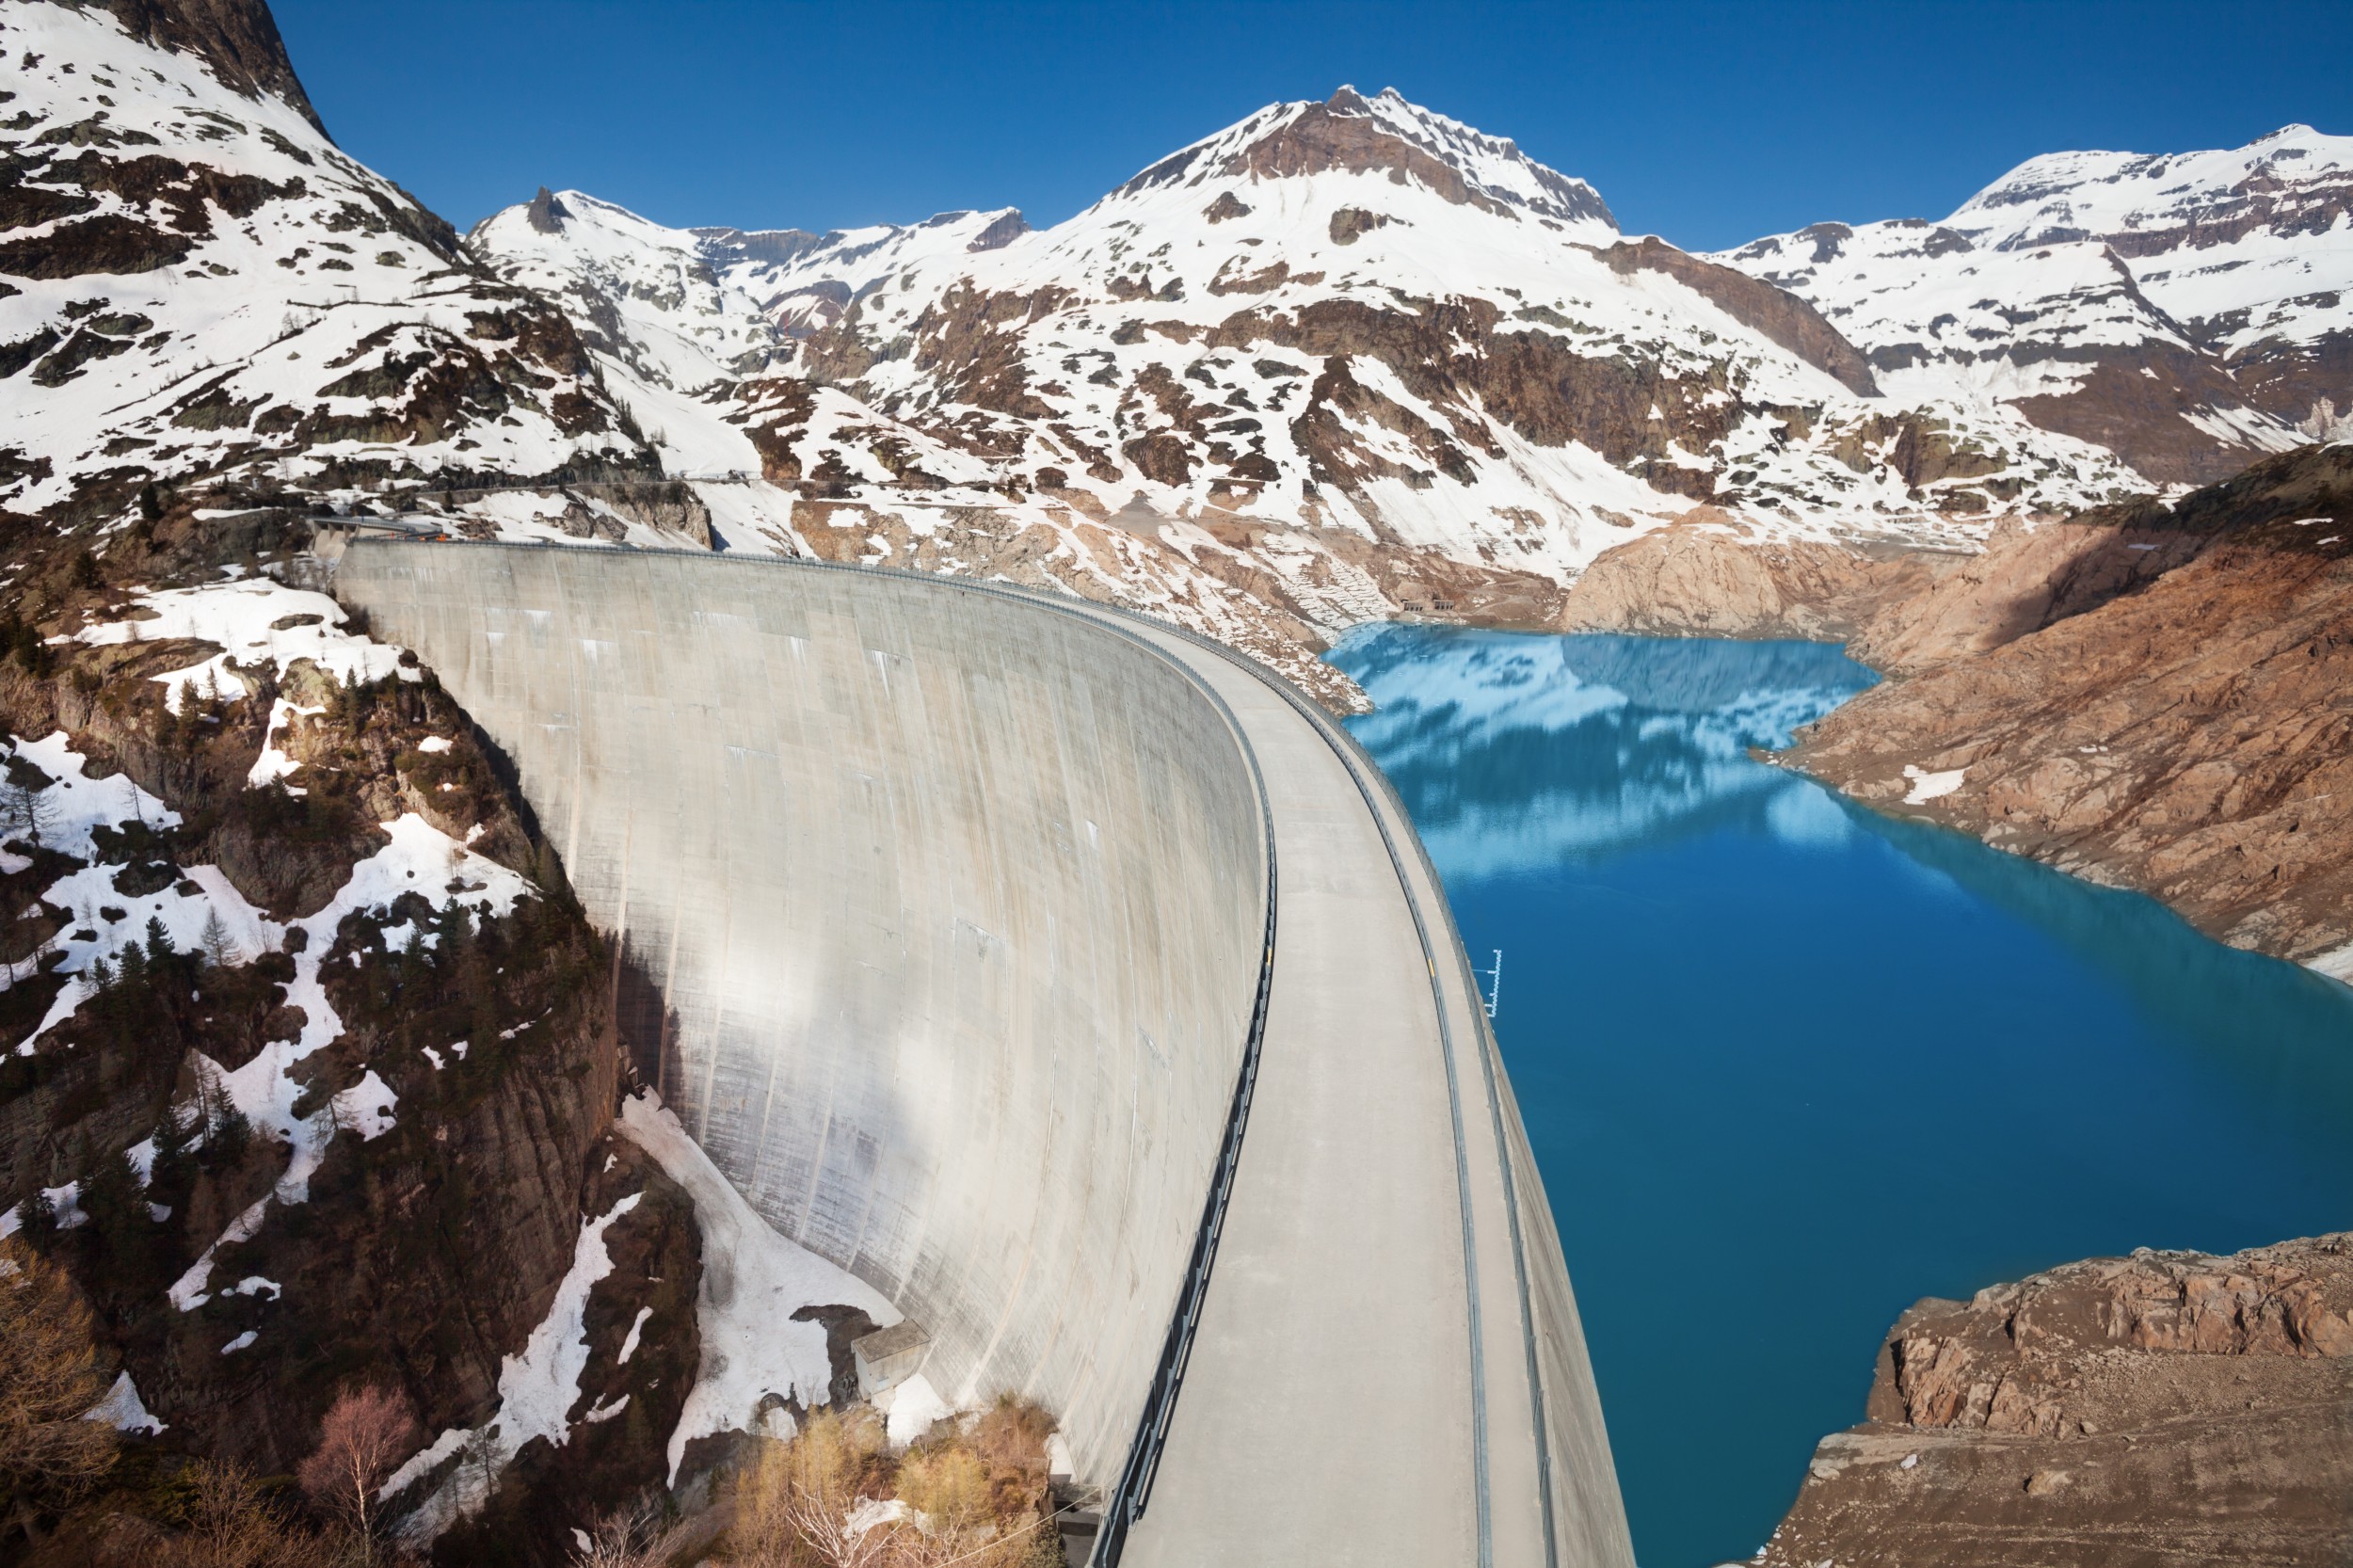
x=947 y=909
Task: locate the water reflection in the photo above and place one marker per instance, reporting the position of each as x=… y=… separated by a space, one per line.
x=1823 y=1061
x=1516 y=752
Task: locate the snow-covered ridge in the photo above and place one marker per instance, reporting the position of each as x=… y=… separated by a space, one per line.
x=246 y=300
x=2283 y=181
x=2224 y=276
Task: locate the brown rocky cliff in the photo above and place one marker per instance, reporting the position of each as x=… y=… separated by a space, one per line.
x=2150 y=697
x=423 y=1256
x=2163 y=1410
x=1711 y=576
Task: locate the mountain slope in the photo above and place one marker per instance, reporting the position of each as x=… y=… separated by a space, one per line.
x=195 y=285
x=2190 y=313
x=1339 y=361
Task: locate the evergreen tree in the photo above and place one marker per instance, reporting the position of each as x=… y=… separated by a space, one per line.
x=38 y=1217
x=111 y=1196
x=174 y=1167
x=159 y=949
x=229 y=1134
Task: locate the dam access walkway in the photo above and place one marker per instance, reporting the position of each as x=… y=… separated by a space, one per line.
x=1361 y=1387
x=864 y=828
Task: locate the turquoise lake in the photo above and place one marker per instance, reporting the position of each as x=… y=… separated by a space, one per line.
x=1789 y=1065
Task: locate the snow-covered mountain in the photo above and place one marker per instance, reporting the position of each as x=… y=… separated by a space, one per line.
x=196 y=286
x=2190 y=311
x=1340 y=361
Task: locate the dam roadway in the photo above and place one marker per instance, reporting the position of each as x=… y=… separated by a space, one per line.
x=1294 y=1287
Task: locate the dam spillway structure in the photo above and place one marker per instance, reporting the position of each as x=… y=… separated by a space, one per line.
x=1082 y=987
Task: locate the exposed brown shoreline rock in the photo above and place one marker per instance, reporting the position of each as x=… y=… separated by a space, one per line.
x=2160 y=1410
x=1711 y=577
x=2150 y=697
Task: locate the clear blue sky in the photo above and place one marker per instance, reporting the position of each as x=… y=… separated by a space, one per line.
x=1709 y=124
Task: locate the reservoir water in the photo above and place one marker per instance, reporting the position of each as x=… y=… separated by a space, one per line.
x=1789 y=1065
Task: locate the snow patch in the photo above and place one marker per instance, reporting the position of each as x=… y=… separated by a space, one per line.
x=244 y=619
x=1927 y=786
x=753 y=1350
x=629 y=1345
x=914 y=1405
x=537 y=1389
x=122 y=1409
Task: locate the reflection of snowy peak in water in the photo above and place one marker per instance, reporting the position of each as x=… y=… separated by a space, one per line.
x=1516 y=751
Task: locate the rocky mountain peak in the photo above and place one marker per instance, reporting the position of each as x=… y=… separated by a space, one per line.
x=1386 y=135
x=238 y=39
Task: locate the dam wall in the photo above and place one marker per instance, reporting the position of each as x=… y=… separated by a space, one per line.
x=956 y=913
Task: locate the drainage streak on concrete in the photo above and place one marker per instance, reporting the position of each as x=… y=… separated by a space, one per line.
x=953 y=901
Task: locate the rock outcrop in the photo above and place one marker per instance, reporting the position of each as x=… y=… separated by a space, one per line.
x=425 y=1070
x=2149 y=696
x=1711 y=576
x=2164 y=1409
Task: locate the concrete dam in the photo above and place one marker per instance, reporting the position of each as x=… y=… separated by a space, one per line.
x=1082 y=987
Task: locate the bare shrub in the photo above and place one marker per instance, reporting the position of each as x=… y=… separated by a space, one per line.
x=949 y=1486
x=230 y=1522
x=631 y=1537
x=49 y=1380
x=367 y=1432
x=973 y=1494
x=795 y=1502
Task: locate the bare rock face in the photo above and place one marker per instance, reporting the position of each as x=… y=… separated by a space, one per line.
x=2161 y=1409
x=1712 y=577
x=238 y=38
x=2145 y=696
x=1784 y=318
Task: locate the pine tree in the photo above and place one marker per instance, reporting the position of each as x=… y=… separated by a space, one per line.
x=173 y=1168
x=131 y=968
x=228 y=1134
x=110 y=1196
x=40 y=1216
x=159 y=949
